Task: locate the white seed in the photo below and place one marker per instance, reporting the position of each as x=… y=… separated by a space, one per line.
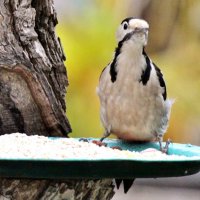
x=21 y=146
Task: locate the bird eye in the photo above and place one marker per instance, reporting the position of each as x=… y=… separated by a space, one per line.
x=125 y=25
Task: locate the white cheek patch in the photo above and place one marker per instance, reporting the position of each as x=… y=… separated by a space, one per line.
x=133 y=23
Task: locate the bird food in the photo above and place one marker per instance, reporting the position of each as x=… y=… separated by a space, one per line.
x=21 y=146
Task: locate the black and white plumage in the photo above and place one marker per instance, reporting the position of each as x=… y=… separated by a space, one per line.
x=132 y=91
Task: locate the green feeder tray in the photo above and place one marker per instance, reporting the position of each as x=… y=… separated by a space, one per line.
x=107 y=168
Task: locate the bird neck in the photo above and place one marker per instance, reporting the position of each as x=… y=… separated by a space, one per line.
x=131 y=55
x=130 y=61
x=132 y=49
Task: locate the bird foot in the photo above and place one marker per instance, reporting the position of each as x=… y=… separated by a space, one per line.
x=166 y=147
x=99 y=143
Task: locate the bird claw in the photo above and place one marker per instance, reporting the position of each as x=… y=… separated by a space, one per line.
x=99 y=143
x=166 y=147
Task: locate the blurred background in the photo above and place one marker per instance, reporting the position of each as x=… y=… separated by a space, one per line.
x=87 y=31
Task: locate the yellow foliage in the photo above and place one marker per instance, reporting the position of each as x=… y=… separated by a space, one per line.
x=89 y=43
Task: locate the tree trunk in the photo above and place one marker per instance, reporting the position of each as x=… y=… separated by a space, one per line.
x=25 y=189
x=32 y=73
x=33 y=83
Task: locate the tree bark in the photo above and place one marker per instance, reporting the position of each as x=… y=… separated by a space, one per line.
x=26 y=189
x=33 y=82
x=33 y=77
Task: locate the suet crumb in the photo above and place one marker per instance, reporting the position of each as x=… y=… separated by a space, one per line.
x=21 y=146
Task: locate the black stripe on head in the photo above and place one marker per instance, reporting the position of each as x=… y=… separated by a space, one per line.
x=146 y=73
x=113 y=71
x=127 y=19
x=161 y=81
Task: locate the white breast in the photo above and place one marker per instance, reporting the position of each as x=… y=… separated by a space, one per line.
x=132 y=110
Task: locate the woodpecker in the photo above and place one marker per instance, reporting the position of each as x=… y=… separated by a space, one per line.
x=132 y=90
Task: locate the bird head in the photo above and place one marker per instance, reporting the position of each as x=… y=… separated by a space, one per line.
x=137 y=28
